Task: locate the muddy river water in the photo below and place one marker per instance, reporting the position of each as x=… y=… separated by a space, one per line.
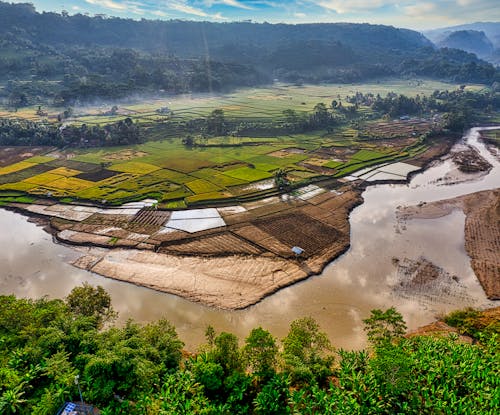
x=365 y=277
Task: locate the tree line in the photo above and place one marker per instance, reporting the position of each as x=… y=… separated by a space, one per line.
x=28 y=133
x=143 y=369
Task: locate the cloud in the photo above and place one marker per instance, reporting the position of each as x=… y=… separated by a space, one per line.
x=187 y=9
x=109 y=4
x=159 y=13
x=346 y=6
x=183 y=7
x=419 y=9
x=232 y=3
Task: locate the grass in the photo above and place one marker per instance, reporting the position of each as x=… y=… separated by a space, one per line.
x=248 y=174
x=202 y=186
x=134 y=167
x=365 y=155
x=44 y=178
x=15 y=167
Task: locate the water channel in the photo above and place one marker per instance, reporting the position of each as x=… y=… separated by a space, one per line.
x=31 y=265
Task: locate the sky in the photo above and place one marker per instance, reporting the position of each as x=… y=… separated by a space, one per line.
x=414 y=14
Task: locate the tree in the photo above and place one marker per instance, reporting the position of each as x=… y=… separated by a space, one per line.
x=260 y=352
x=384 y=326
x=226 y=352
x=305 y=351
x=273 y=399
x=320 y=115
x=91 y=301
x=188 y=141
x=281 y=180
x=216 y=124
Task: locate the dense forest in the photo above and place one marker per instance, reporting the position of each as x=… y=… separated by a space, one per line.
x=63 y=59
x=143 y=369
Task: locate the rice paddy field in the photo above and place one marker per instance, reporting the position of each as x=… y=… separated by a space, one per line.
x=246 y=104
x=178 y=176
x=224 y=168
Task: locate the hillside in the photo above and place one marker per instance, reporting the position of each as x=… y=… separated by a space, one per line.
x=481 y=38
x=60 y=59
x=469 y=40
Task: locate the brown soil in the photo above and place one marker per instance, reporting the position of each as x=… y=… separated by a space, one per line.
x=126 y=154
x=425 y=282
x=441 y=329
x=95 y=176
x=436 y=150
x=299 y=229
x=470 y=161
x=482 y=232
x=148 y=216
x=230 y=268
x=11 y=155
x=402 y=128
x=287 y=151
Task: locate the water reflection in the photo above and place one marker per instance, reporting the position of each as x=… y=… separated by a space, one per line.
x=32 y=266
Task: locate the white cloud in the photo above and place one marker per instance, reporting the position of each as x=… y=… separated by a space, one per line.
x=109 y=4
x=187 y=9
x=159 y=13
x=232 y=3
x=183 y=7
x=419 y=9
x=300 y=15
x=346 y=6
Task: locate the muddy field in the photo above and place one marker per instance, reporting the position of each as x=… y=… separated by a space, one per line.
x=229 y=267
x=470 y=161
x=425 y=282
x=482 y=232
x=11 y=155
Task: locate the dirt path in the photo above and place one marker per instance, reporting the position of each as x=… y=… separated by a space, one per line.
x=482 y=232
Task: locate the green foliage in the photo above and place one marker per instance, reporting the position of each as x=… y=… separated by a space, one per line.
x=274 y=397
x=261 y=352
x=305 y=351
x=384 y=326
x=473 y=323
x=138 y=370
x=88 y=301
x=226 y=353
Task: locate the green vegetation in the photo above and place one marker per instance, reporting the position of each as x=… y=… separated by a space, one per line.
x=136 y=369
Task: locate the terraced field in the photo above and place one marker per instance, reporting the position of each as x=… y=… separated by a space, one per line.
x=178 y=176
x=218 y=169
x=246 y=104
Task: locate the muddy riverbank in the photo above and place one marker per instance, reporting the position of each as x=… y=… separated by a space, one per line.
x=482 y=232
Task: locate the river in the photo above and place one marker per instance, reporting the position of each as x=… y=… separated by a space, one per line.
x=32 y=265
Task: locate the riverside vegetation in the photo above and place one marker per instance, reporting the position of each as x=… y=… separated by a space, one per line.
x=142 y=369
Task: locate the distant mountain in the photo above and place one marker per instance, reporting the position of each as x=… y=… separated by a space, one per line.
x=481 y=38
x=469 y=40
x=79 y=57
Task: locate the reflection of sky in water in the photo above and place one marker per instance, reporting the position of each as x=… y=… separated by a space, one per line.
x=31 y=265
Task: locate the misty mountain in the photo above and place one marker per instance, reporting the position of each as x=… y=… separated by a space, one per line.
x=469 y=40
x=482 y=38
x=67 y=58
x=490 y=29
